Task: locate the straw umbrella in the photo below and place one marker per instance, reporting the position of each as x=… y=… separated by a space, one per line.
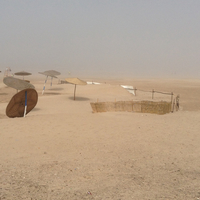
x=75 y=81
x=52 y=74
x=26 y=97
x=22 y=73
x=16 y=83
x=22 y=103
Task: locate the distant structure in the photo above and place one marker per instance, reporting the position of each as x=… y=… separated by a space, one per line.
x=7 y=72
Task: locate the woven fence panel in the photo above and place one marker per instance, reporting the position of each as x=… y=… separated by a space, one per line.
x=93 y=105
x=136 y=106
x=128 y=106
x=131 y=106
x=155 y=107
x=101 y=107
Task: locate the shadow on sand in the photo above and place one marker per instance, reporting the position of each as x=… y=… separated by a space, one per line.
x=35 y=109
x=55 y=89
x=3 y=93
x=52 y=93
x=3 y=116
x=79 y=99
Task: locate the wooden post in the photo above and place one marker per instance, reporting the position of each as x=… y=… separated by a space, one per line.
x=132 y=105
x=74 y=91
x=172 y=96
x=173 y=105
x=177 y=102
x=152 y=93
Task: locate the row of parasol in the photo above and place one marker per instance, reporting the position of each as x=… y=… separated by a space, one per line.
x=25 y=100
x=54 y=74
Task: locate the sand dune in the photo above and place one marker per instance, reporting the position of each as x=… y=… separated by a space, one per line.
x=62 y=150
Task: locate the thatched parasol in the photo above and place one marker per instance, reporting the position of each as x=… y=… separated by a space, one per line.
x=75 y=81
x=17 y=84
x=52 y=74
x=22 y=73
x=22 y=103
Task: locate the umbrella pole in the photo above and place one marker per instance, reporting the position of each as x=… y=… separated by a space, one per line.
x=25 y=103
x=74 y=91
x=51 y=80
x=44 y=85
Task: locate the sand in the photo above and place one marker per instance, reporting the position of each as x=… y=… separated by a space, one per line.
x=61 y=150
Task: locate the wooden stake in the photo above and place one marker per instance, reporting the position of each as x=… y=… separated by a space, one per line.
x=152 y=93
x=173 y=105
x=177 y=102
x=132 y=105
x=172 y=96
x=74 y=91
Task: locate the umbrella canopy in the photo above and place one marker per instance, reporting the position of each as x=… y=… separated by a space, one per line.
x=48 y=74
x=22 y=103
x=17 y=84
x=22 y=73
x=75 y=81
x=51 y=73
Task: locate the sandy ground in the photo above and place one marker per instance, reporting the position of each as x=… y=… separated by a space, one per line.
x=62 y=150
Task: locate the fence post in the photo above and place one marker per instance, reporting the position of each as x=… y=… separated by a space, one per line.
x=135 y=90
x=132 y=105
x=177 y=102
x=172 y=96
x=152 y=93
x=173 y=104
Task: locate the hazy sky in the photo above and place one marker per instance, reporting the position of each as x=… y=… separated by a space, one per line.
x=101 y=37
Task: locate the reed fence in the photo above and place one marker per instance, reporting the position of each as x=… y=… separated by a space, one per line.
x=174 y=101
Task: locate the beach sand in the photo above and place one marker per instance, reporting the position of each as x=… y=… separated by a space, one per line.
x=62 y=150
